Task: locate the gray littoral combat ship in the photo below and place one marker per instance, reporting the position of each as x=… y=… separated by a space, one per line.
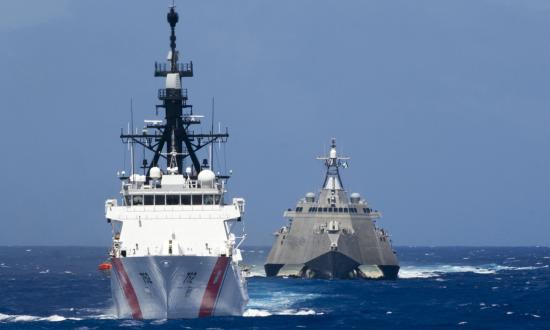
x=332 y=236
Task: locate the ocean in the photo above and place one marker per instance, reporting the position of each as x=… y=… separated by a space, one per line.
x=439 y=288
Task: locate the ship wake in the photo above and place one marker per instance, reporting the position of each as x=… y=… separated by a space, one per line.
x=432 y=271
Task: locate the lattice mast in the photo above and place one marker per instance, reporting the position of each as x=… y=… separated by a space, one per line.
x=174 y=136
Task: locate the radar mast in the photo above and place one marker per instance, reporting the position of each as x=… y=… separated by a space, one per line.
x=174 y=134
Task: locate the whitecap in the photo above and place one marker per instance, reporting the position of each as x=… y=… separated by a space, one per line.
x=31 y=318
x=131 y=323
x=256 y=313
x=429 y=271
x=256 y=271
x=44 y=271
x=159 y=322
x=301 y=312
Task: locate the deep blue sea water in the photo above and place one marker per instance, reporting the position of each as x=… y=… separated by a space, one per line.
x=440 y=288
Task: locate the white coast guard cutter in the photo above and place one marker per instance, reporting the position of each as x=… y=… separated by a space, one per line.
x=174 y=254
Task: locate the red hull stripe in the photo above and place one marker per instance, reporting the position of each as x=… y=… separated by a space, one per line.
x=213 y=287
x=128 y=289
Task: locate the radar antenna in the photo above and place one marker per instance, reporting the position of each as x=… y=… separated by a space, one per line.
x=174 y=132
x=333 y=162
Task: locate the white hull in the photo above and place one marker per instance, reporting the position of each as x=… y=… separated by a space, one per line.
x=168 y=287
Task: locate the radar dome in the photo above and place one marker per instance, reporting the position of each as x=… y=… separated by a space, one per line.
x=355 y=197
x=206 y=178
x=310 y=197
x=155 y=173
x=332 y=153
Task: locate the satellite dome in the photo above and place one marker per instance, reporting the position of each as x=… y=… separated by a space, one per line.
x=206 y=178
x=355 y=197
x=155 y=173
x=310 y=197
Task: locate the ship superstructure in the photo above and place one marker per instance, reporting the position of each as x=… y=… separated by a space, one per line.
x=174 y=254
x=332 y=235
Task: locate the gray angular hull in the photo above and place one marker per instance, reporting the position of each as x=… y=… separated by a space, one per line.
x=356 y=250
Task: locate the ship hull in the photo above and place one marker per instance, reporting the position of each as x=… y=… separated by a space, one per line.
x=355 y=249
x=169 y=287
x=333 y=265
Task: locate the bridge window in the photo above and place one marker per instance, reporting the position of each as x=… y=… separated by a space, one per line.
x=217 y=199
x=149 y=199
x=340 y=210
x=137 y=200
x=127 y=200
x=345 y=210
x=159 y=199
x=185 y=200
x=172 y=199
x=208 y=199
x=197 y=199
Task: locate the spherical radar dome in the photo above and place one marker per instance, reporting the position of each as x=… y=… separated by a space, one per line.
x=206 y=177
x=155 y=173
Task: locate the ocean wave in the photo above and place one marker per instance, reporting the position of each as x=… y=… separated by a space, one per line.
x=256 y=271
x=408 y=272
x=253 y=273
x=252 y=312
x=6 y=318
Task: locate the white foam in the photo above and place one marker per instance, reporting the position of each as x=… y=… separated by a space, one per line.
x=277 y=301
x=159 y=322
x=429 y=271
x=414 y=273
x=256 y=313
x=31 y=318
x=252 y=312
x=253 y=273
x=301 y=312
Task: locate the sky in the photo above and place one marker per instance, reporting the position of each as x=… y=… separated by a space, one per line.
x=443 y=107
